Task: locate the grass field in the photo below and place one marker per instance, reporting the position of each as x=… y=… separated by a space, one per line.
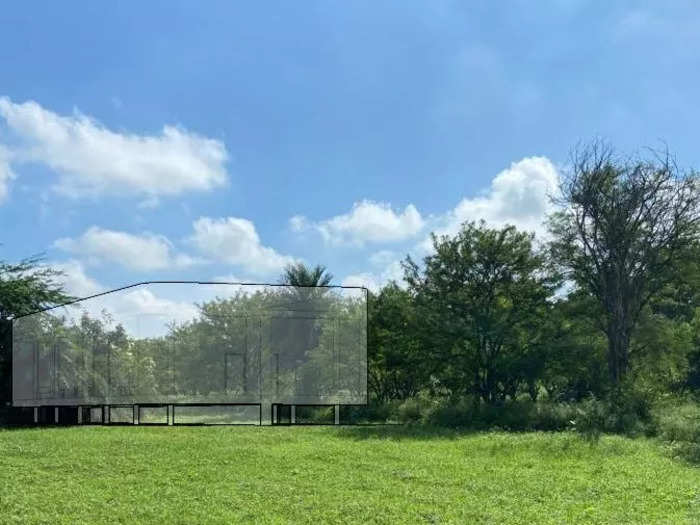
x=336 y=475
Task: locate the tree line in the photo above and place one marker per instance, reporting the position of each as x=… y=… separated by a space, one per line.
x=608 y=300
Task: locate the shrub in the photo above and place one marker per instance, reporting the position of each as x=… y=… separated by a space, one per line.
x=372 y=413
x=554 y=416
x=678 y=423
x=624 y=411
x=513 y=415
x=455 y=414
x=409 y=411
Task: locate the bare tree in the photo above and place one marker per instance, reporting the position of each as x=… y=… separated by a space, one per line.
x=623 y=225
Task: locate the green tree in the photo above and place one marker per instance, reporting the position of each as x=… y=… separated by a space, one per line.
x=29 y=286
x=25 y=287
x=574 y=362
x=299 y=274
x=398 y=369
x=667 y=341
x=481 y=298
x=623 y=225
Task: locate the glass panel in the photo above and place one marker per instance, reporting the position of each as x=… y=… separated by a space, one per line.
x=161 y=343
x=217 y=415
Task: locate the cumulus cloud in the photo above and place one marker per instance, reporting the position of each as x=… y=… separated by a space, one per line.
x=144 y=311
x=92 y=159
x=75 y=281
x=368 y=221
x=374 y=281
x=235 y=241
x=299 y=223
x=6 y=173
x=143 y=252
x=236 y=285
x=519 y=195
x=142 y=301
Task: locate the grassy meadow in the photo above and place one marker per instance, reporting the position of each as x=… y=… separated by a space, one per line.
x=337 y=475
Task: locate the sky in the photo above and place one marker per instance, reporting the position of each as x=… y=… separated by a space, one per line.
x=224 y=140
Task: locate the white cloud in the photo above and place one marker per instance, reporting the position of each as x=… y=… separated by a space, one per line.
x=382 y=258
x=299 y=223
x=367 y=222
x=145 y=252
x=366 y=279
x=225 y=291
x=75 y=281
x=143 y=310
x=6 y=173
x=235 y=241
x=375 y=281
x=519 y=195
x=141 y=301
x=92 y=159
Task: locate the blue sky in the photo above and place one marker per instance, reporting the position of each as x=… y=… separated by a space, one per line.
x=201 y=140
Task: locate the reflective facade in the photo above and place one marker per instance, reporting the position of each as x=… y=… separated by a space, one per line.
x=202 y=343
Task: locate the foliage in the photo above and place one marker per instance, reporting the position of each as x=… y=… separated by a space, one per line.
x=298 y=274
x=574 y=365
x=623 y=225
x=624 y=411
x=25 y=287
x=246 y=347
x=29 y=286
x=398 y=368
x=481 y=299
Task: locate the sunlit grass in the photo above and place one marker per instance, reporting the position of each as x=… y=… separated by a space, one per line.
x=336 y=475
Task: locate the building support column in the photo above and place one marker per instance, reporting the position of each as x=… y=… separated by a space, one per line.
x=293 y=414
x=337 y=414
x=135 y=414
x=266 y=414
x=80 y=415
x=55 y=415
x=36 y=415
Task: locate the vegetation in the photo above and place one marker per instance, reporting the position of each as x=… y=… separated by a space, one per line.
x=299 y=274
x=25 y=287
x=337 y=475
x=595 y=331
x=232 y=350
x=624 y=226
x=481 y=300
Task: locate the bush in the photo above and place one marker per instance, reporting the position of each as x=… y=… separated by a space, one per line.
x=512 y=415
x=628 y=412
x=624 y=411
x=372 y=413
x=453 y=414
x=410 y=411
x=678 y=423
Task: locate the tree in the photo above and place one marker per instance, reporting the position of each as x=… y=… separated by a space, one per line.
x=397 y=366
x=481 y=298
x=28 y=286
x=299 y=274
x=25 y=287
x=623 y=225
x=574 y=363
x=667 y=341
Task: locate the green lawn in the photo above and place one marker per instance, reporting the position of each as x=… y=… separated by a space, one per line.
x=336 y=475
